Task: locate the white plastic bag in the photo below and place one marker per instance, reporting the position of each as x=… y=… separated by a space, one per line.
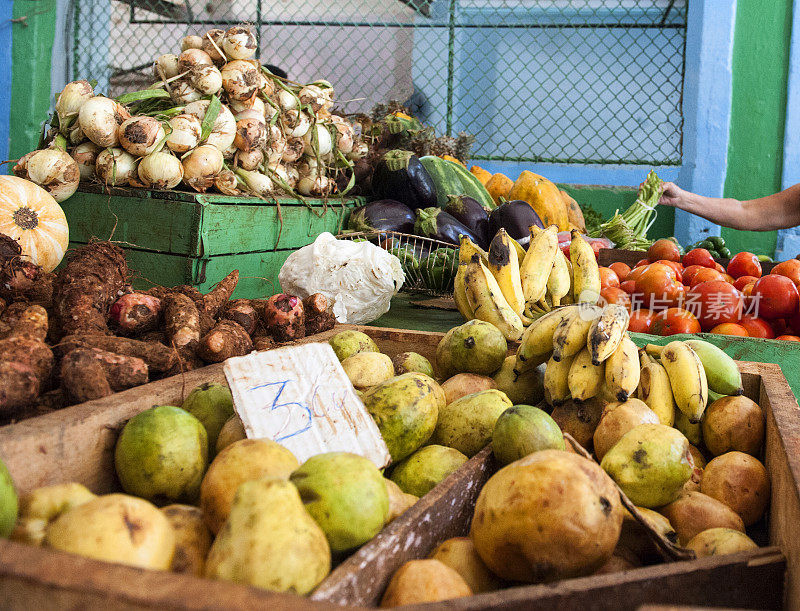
x=359 y=278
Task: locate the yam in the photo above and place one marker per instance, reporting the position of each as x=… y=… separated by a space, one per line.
x=136 y=313
x=284 y=318
x=241 y=312
x=91 y=373
x=262 y=343
x=158 y=357
x=182 y=323
x=318 y=313
x=225 y=340
x=19 y=386
x=30 y=322
x=34 y=354
x=220 y=294
x=91 y=281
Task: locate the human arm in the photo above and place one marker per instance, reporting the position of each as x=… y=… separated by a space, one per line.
x=777 y=211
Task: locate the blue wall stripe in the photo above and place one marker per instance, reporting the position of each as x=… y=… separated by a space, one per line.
x=6 y=13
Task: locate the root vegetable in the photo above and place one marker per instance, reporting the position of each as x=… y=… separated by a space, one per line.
x=251 y=135
x=160 y=170
x=182 y=323
x=86 y=288
x=19 y=386
x=212 y=44
x=239 y=43
x=115 y=167
x=26 y=321
x=191 y=58
x=141 y=135
x=70 y=100
x=284 y=318
x=185 y=134
x=206 y=79
x=34 y=354
x=249 y=160
x=166 y=66
x=85 y=155
x=225 y=340
x=90 y=373
x=220 y=294
x=240 y=79
x=100 y=119
x=191 y=42
x=136 y=313
x=241 y=312
x=319 y=315
x=263 y=343
x=158 y=357
x=53 y=170
x=201 y=166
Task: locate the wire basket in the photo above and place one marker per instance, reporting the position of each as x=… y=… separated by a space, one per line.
x=430 y=265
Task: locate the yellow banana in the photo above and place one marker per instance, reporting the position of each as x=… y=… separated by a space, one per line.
x=622 y=370
x=556 y=380
x=504 y=265
x=466 y=249
x=487 y=302
x=585 y=380
x=538 y=261
x=687 y=379
x=520 y=250
x=536 y=344
x=655 y=388
x=606 y=333
x=569 y=338
x=559 y=283
x=585 y=271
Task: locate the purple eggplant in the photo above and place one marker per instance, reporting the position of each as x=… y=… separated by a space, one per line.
x=437 y=224
x=468 y=211
x=515 y=217
x=382 y=215
x=400 y=175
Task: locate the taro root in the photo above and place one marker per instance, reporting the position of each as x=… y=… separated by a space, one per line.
x=318 y=314
x=136 y=313
x=284 y=317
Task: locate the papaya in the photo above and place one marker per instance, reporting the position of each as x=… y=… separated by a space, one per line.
x=481 y=174
x=453 y=159
x=498 y=186
x=543 y=196
x=574 y=212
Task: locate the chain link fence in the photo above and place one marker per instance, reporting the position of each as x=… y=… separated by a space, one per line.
x=572 y=81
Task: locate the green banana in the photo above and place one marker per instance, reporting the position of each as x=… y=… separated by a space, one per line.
x=722 y=373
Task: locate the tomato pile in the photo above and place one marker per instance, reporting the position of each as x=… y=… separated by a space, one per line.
x=668 y=293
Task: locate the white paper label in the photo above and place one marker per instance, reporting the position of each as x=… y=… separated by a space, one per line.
x=300 y=397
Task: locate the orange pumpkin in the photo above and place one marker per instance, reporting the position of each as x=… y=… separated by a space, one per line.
x=30 y=215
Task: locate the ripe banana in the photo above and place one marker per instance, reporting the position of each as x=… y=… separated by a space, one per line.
x=466 y=249
x=569 y=338
x=721 y=371
x=504 y=265
x=585 y=380
x=687 y=379
x=487 y=302
x=520 y=250
x=693 y=431
x=556 y=380
x=622 y=370
x=607 y=331
x=559 y=283
x=655 y=389
x=585 y=271
x=536 y=344
x=536 y=266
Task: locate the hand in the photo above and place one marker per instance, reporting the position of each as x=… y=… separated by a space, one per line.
x=672 y=195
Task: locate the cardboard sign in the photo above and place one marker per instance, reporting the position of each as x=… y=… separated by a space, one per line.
x=300 y=397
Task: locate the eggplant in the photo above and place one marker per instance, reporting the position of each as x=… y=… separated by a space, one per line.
x=400 y=175
x=469 y=211
x=437 y=224
x=382 y=215
x=515 y=217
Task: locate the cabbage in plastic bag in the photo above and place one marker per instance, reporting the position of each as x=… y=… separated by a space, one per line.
x=359 y=278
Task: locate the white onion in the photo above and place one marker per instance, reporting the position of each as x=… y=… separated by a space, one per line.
x=251 y=134
x=296 y=123
x=319 y=186
x=115 y=166
x=224 y=130
x=276 y=144
x=345 y=134
x=160 y=170
x=250 y=113
x=292 y=176
x=323 y=144
x=100 y=118
x=229 y=153
x=191 y=42
x=286 y=100
x=214 y=49
x=250 y=160
x=141 y=135
x=85 y=155
x=185 y=135
x=281 y=177
x=226 y=183
x=313 y=95
x=169 y=65
x=360 y=150
x=76 y=135
x=206 y=79
x=53 y=170
x=70 y=100
x=239 y=43
x=184 y=93
x=293 y=150
x=191 y=58
x=240 y=79
x=201 y=165
x=257 y=183
x=267 y=85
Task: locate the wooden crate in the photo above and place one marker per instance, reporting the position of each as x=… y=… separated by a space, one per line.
x=76 y=444
x=175 y=237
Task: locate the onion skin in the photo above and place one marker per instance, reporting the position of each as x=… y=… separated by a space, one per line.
x=191 y=42
x=169 y=65
x=141 y=135
x=201 y=166
x=85 y=155
x=100 y=118
x=251 y=134
x=160 y=170
x=293 y=150
x=193 y=57
x=226 y=183
x=53 y=170
x=250 y=160
x=185 y=135
x=224 y=131
x=206 y=79
x=71 y=98
x=239 y=42
x=184 y=93
x=216 y=35
x=115 y=167
x=240 y=79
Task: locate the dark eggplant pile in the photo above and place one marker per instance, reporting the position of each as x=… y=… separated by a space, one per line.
x=400 y=175
x=382 y=215
x=470 y=213
x=515 y=217
x=436 y=224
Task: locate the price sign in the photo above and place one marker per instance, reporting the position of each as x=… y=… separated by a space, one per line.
x=300 y=397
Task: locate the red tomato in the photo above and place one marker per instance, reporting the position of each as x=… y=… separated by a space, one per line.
x=620 y=269
x=719 y=268
x=641 y=262
x=728 y=278
x=689 y=273
x=608 y=277
x=756 y=327
x=706 y=274
x=775 y=296
x=629 y=286
x=564 y=246
x=641 y=320
x=790 y=269
x=789 y=338
x=676 y=266
x=658 y=286
x=698 y=256
x=673 y=321
x=714 y=302
x=730 y=328
x=664 y=249
x=779 y=326
x=636 y=272
x=614 y=294
x=743 y=281
x=794 y=323
x=745 y=264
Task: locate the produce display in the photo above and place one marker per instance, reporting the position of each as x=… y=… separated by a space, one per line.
x=215 y=118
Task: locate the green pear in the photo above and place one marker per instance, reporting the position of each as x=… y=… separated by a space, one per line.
x=419 y=473
x=347 y=343
x=474 y=347
x=211 y=404
x=650 y=463
x=412 y=362
x=523 y=430
x=467 y=423
x=269 y=541
x=346 y=495
x=9 y=503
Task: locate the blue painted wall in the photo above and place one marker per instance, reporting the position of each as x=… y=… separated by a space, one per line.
x=5 y=78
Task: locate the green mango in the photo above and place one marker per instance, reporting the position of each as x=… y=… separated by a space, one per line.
x=419 y=473
x=348 y=343
x=211 y=404
x=467 y=423
x=474 y=347
x=523 y=430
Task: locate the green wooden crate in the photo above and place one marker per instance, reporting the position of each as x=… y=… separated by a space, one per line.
x=174 y=237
